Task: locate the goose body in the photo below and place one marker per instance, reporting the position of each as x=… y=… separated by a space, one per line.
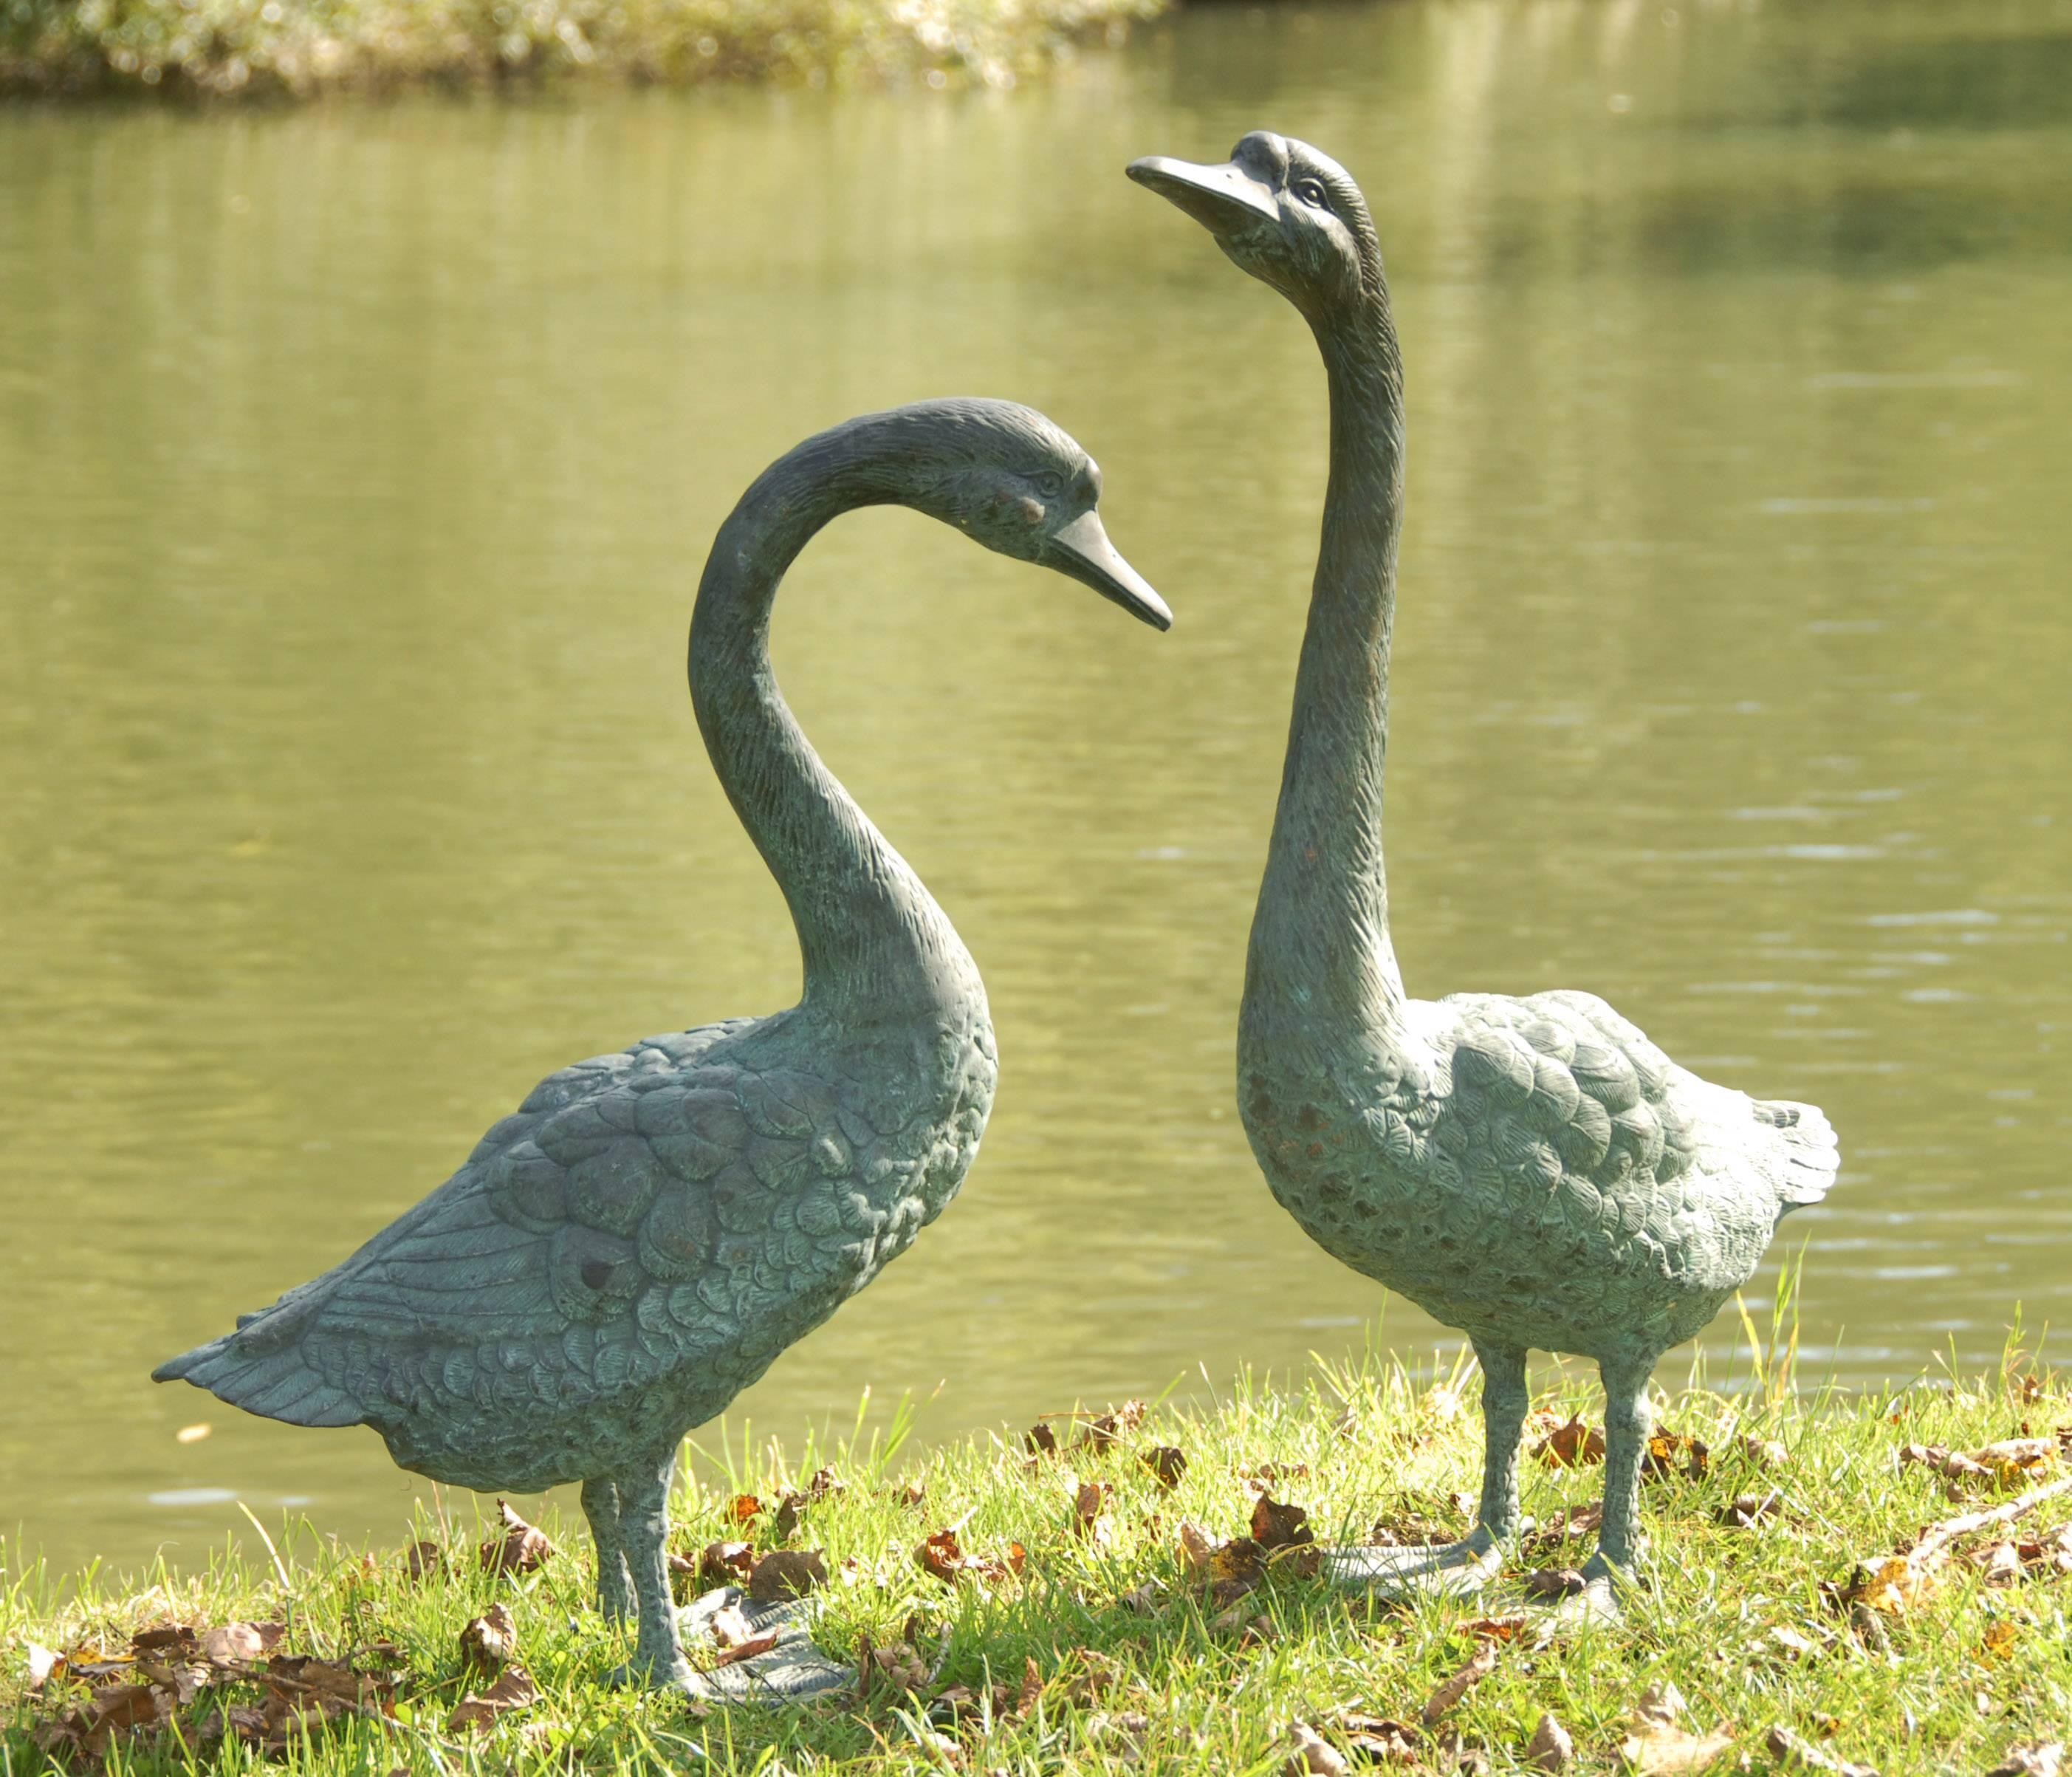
x=1531 y=1170
x=641 y=1238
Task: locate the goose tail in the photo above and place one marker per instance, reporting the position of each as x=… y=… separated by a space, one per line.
x=263 y=1368
x=1812 y=1155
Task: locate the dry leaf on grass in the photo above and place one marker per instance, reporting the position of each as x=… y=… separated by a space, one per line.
x=514 y=1689
x=913 y=1495
x=1088 y=1498
x=1551 y=1746
x=1167 y=1464
x=725 y=1563
x=944 y=1558
x=1276 y=1525
x=1571 y=1446
x=1313 y=1754
x=1109 y=1429
x=1479 y=1666
x=894 y=1667
x=1041 y=1440
x=423 y=1560
x=1762 y=1452
x=489 y=1640
x=1658 y=1744
x=1126 y=1731
x=232 y=1642
x=743 y=1508
x=1671 y=1453
x=787 y=1573
x=1377 y=1739
x=42 y=1662
x=1796 y=1753
x=520 y=1548
x=2008 y=1463
x=1746 y=1511
x=2031 y=1758
x=1556 y=1583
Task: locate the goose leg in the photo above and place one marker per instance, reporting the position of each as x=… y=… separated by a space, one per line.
x=1626 y=1427
x=1466 y=1565
x=615 y=1585
x=658 y=1661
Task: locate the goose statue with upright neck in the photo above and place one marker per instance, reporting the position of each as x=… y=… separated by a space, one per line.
x=634 y=1245
x=1531 y=1170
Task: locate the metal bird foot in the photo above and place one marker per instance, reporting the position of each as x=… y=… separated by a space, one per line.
x=1438 y=1570
x=795 y=1668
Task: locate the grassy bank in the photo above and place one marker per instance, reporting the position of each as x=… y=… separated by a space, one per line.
x=1066 y=1629
x=219 y=49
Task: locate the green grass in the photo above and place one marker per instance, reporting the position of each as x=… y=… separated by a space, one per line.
x=219 y=49
x=1373 y=1442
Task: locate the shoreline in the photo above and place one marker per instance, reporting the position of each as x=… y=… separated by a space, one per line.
x=1146 y=1589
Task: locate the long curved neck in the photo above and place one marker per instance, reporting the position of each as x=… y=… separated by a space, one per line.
x=1320 y=955
x=874 y=945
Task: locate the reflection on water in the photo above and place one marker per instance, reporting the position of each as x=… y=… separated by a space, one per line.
x=356 y=465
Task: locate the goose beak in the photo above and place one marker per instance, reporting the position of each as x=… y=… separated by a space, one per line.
x=1083 y=550
x=1224 y=200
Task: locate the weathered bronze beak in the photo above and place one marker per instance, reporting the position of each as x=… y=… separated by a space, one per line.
x=1083 y=550
x=1224 y=200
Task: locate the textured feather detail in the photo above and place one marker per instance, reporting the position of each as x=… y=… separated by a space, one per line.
x=1812 y=1154
x=275 y=1384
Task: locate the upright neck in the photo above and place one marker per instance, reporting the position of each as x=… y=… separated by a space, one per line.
x=1319 y=948
x=874 y=943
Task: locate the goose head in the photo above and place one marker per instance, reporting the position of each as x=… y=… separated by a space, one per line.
x=1284 y=211
x=1012 y=479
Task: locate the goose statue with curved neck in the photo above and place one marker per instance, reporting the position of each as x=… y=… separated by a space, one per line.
x=641 y=1239
x=1531 y=1170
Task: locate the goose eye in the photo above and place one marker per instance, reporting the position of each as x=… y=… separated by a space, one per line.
x=1312 y=192
x=1049 y=486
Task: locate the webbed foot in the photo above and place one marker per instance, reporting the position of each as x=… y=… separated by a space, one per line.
x=638 y=1675
x=1597 y=1605
x=794 y=1667
x=1442 y=1569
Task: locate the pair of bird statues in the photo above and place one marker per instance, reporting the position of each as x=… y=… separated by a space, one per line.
x=636 y=1243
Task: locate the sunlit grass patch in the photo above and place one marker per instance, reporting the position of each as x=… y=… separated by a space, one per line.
x=1081 y=1628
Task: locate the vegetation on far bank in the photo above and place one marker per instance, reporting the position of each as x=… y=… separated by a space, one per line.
x=1144 y=1597
x=295 y=48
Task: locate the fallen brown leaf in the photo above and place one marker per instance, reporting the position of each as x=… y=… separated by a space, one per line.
x=1126 y=1730
x=743 y=1508
x=1762 y=1452
x=1270 y=1475
x=1378 y=1739
x=747 y=1649
x=2005 y=1464
x=2002 y=1635
x=1088 y=1500
x=1671 y=1453
x=1658 y=1746
x=787 y=1573
x=1041 y=1440
x=1481 y=1663
x=1572 y=1446
x=1276 y=1525
x=944 y=1558
x=1746 y=1511
x=1109 y=1429
x=1197 y=1548
x=2031 y=1758
x=725 y=1563
x=520 y=1548
x=514 y=1689
x=1313 y=1754
x=1556 y=1583
x=1142 y=1600
x=1506 y=1628
x=913 y=1495
x=423 y=1560
x=1795 y=1753
x=729 y=1626
x=236 y=1642
x=894 y=1667
x=1168 y=1464
x=489 y=1640
x=1551 y=1746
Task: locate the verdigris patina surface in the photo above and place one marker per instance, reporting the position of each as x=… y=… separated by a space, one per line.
x=634 y=1246
x=1533 y=1171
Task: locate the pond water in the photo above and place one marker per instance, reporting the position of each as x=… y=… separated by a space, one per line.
x=356 y=466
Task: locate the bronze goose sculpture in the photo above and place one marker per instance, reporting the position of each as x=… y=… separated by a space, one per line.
x=635 y=1245
x=1531 y=1170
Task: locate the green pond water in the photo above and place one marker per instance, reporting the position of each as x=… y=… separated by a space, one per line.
x=357 y=463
